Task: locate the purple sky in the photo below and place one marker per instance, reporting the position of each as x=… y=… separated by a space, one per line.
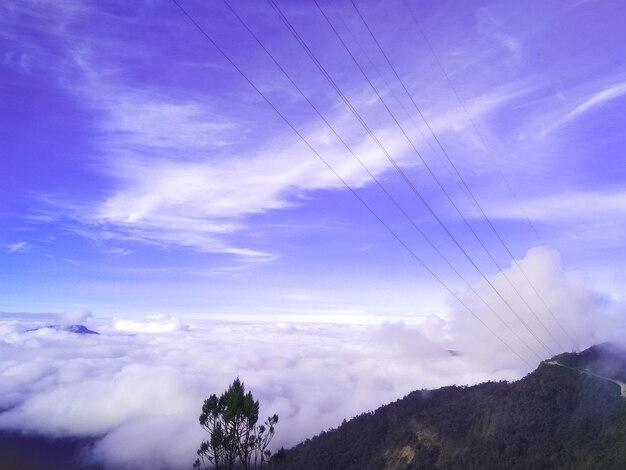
x=144 y=180
x=141 y=173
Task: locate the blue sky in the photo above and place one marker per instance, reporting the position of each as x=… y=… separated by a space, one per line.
x=142 y=174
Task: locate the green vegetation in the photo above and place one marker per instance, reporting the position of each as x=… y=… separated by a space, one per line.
x=235 y=438
x=554 y=418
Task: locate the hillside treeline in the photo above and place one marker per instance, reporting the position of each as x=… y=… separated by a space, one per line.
x=554 y=418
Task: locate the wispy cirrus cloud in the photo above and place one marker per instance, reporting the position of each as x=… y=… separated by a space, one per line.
x=17 y=247
x=596 y=218
x=177 y=181
x=578 y=205
x=178 y=199
x=182 y=172
x=588 y=104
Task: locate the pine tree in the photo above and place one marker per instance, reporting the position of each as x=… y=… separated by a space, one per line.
x=235 y=438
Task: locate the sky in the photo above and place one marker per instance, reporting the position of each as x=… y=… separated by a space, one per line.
x=142 y=174
x=370 y=185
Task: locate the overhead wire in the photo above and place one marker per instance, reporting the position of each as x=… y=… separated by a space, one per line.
x=498 y=168
x=374 y=178
x=469 y=226
x=466 y=222
x=389 y=88
x=393 y=162
x=470 y=118
x=471 y=194
x=352 y=191
x=397 y=167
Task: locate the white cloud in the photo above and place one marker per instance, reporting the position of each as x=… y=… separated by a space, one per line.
x=17 y=247
x=568 y=206
x=139 y=121
x=597 y=99
x=168 y=198
x=74 y=317
x=570 y=299
x=151 y=324
x=596 y=217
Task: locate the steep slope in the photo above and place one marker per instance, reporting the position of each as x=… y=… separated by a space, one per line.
x=554 y=418
x=28 y=452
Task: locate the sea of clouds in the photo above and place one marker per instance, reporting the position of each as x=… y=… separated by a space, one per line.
x=139 y=385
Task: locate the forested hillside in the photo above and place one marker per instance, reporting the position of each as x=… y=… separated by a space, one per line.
x=555 y=417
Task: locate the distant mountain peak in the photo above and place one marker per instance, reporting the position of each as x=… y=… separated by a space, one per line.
x=79 y=329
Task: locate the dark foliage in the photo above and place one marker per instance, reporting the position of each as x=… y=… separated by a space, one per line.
x=30 y=452
x=554 y=418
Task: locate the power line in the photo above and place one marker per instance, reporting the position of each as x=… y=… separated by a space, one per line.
x=462 y=181
x=495 y=161
x=376 y=180
x=432 y=173
x=354 y=193
x=396 y=166
x=472 y=123
x=389 y=88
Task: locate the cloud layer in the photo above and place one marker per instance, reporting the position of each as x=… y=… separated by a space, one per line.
x=138 y=386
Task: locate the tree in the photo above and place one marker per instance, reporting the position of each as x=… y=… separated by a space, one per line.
x=235 y=438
